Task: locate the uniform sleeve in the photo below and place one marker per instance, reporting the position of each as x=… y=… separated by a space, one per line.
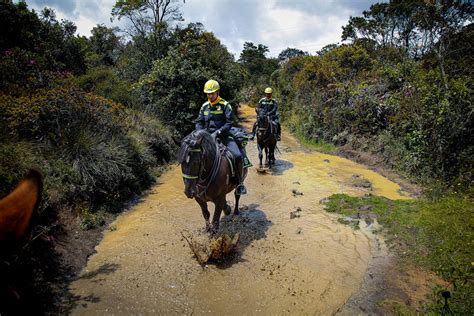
x=200 y=120
x=274 y=108
x=229 y=119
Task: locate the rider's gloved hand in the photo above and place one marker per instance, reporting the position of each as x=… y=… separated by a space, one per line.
x=216 y=133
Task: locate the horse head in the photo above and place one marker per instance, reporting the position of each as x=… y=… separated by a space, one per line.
x=263 y=121
x=194 y=157
x=18 y=207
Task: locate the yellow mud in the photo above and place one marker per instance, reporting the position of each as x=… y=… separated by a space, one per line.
x=310 y=264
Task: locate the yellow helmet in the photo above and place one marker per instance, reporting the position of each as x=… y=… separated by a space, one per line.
x=211 y=86
x=268 y=90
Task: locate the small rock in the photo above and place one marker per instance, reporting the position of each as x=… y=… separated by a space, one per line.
x=296 y=192
x=365 y=208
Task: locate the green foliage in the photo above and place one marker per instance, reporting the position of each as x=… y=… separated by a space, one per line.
x=437 y=235
x=104 y=81
x=385 y=103
x=90 y=219
x=173 y=89
x=253 y=59
x=104 y=44
x=90 y=148
x=34 y=51
x=15 y=160
x=289 y=53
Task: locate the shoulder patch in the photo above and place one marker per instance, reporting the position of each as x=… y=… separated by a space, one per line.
x=225 y=103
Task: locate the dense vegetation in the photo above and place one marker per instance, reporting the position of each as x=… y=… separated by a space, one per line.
x=402 y=89
x=101 y=115
x=414 y=108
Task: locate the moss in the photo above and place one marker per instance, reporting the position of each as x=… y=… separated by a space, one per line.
x=433 y=234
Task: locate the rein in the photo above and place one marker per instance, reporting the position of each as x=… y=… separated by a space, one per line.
x=264 y=130
x=201 y=186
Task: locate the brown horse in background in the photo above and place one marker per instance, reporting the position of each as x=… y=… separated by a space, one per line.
x=208 y=175
x=18 y=207
x=266 y=139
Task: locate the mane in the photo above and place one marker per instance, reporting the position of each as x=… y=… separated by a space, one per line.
x=196 y=138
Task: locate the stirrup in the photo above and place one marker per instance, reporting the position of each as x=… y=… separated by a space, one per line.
x=241 y=189
x=247 y=163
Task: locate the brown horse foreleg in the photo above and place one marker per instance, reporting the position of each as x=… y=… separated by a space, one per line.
x=236 y=209
x=205 y=212
x=219 y=204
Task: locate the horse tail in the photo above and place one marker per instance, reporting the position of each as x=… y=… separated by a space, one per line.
x=18 y=207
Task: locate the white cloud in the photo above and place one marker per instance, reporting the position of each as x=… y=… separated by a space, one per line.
x=308 y=25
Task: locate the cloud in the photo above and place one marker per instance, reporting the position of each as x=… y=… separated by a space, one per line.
x=308 y=25
x=85 y=14
x=278 y=24
x=58 y=5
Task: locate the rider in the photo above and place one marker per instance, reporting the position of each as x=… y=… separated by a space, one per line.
x=269 y=106
x=216 y=117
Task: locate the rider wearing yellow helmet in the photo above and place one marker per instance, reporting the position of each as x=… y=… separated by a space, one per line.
x=216 y=117
x=269 y=106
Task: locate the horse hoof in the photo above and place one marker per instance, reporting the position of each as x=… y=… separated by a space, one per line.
x=227 y=209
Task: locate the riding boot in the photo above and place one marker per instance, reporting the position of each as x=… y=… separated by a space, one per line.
x=278 y=132
x=241 y=189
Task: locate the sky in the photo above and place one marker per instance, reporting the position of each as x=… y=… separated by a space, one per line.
x=308 y=25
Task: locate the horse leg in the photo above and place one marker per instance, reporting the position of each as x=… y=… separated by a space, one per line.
x=272 y=156
x=205 y=213
x=266 y=157
x=260 y=156
x=219 y=205
x=236 y=208
x=227 y=210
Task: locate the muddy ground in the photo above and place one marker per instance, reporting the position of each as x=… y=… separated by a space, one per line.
x=292 y=257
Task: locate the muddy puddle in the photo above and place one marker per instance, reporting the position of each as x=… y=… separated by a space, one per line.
x=291 y=257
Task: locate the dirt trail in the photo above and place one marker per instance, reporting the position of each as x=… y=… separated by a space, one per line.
x=308 y=264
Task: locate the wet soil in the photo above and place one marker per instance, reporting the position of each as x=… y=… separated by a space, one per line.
x=291 y=256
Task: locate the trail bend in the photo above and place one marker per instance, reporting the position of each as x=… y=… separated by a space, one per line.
x=308 y=264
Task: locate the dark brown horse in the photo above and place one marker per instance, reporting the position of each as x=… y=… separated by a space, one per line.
x=208 y=175
x=18 y=207
x=266 y=139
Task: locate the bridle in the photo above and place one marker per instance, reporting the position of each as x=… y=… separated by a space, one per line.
x=264 y=130
x=203 y=184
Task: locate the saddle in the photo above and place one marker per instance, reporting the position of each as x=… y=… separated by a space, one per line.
x=241 y=138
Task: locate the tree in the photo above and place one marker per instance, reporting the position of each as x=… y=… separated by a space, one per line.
x=149 y=29
x=415 y=25
x=172 y=89
x=440 y=22
x=104 y=44
x=288 y=53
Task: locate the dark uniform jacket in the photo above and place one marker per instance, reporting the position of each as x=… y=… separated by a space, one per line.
x=269 y=107
x=217 y=117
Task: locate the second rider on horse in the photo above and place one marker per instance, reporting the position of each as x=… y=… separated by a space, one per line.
x=216 y=117
x=269 y=106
